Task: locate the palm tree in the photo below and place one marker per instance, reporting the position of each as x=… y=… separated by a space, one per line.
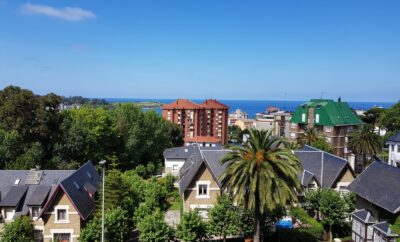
x=309 y=136
x=262 y=174
x=365 y=142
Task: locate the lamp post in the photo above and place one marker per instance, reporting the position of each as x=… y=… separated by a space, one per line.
x=103 y=163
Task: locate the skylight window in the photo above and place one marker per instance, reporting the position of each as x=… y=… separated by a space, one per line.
x=17 y=181
x=76 y=185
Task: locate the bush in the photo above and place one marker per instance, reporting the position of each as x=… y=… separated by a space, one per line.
x=19 y=230
x=153 y=228
x=292 y=235
x=315 y=229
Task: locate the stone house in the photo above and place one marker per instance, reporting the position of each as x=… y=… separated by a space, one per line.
x=58 y=202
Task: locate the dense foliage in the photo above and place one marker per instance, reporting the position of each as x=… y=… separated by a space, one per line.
x=116 y=227
x=20 y=230
x=35 y=132
x=315 y=138
x=153 y=228
x=191 y=228
x=390 y=118
x=224 y=218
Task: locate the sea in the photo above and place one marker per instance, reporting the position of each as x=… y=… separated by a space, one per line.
x=253 y=106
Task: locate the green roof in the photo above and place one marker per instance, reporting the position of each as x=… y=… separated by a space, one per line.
x=330 y=113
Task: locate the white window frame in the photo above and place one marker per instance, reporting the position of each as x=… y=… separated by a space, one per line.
x=317 y=118
x=328 y=129
x=61 y=207
x=303 y=117
x=38 y=228
x=63 y=231
x=11 y=211
x=294 y=125
x=175 y=167
x=207 y=183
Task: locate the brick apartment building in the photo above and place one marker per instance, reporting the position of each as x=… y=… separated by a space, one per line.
x=206 y=122
x=336 y=120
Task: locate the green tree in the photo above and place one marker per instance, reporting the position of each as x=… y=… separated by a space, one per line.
x=235 y=134
x=390 y=118
x=86 y=134
x=262 y=173
x=322 y=144
x=365 y=142
x=372 y=115
x=224 y=218
x=191 y=228
x=312 y=204
x=116 y=227
x=332 y=213
x=31 y=158
x=153 y=228
x=309 y=136
x=20 y=230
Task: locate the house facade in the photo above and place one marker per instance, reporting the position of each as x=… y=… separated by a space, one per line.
x=377 y=203
x=199 y=175
x=58 y=202
x=207 y=119
x=394 y=149
x=336 y=120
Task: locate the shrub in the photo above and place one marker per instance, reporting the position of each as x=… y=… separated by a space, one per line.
x=314 y=228
x=20 y=230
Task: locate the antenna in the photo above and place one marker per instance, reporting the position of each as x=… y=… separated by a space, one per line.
x=322 y=94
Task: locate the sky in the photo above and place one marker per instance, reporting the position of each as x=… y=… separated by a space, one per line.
x=266 y=50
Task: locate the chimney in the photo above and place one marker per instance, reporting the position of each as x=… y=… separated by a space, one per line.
x=339 y=99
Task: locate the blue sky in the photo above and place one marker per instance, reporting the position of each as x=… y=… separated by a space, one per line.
x=270 y=50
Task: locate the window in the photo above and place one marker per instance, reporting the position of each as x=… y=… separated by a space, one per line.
x=9 y=213
x=175 y=167
x=317 y=118
x=328 y=129
x=38 y=235
x=303 y=117
x=293 y=125
x=393 y=148
x=203 y=190
x=398 y=148
x=62 y=215
x=62 y=237
x=328 y=139
x=35 y=212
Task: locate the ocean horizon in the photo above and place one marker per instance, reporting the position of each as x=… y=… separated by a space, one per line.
x=253 y=106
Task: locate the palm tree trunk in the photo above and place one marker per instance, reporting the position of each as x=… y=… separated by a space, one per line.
x=257 y=232
x=364 y=161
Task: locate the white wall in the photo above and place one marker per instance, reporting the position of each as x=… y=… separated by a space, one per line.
x=394 y=154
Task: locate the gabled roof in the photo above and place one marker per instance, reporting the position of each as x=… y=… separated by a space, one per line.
x=181 y=104
x=211 y=159
x=379 y=184
x=364 y=215
x=325 y=167
x=307 y=177
x=395 y=137
x=73 y=186
x=384 y=227
x=213 y=104
x=19 y=178
x=331 y=113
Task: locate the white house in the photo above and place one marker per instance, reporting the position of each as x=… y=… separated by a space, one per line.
x=394 y=150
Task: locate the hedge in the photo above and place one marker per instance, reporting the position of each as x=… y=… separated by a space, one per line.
x=314 y=228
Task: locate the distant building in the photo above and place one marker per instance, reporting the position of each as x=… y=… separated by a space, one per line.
x=208 y=119
x=336 y=120
x=245 y=123
x=394 y=149
x=377 y=203
x=237 y=115
x=282 y=123
x=58 y=202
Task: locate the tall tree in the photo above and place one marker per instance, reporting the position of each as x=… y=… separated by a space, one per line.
x=372 y=115
x=153 y=228
x=262 y=174
x=191 y=228
x=365 y=142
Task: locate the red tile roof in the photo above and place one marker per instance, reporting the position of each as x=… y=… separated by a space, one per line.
x=213 y=104
x=201 y=139
x=181 y=104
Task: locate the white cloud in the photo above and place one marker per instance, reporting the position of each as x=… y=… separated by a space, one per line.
x=67 y=13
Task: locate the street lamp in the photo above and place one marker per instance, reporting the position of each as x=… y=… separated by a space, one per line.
x=103 y=163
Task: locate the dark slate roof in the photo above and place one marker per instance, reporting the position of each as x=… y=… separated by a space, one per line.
x=364 y=215
x=210 y=158
x=73 y=186
x=394 y=138
x=379 y=184
x=40 y=195
x=384 y=227
x=183 y=152
x=306 y=177
x=14 y=196
x=325 y=167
